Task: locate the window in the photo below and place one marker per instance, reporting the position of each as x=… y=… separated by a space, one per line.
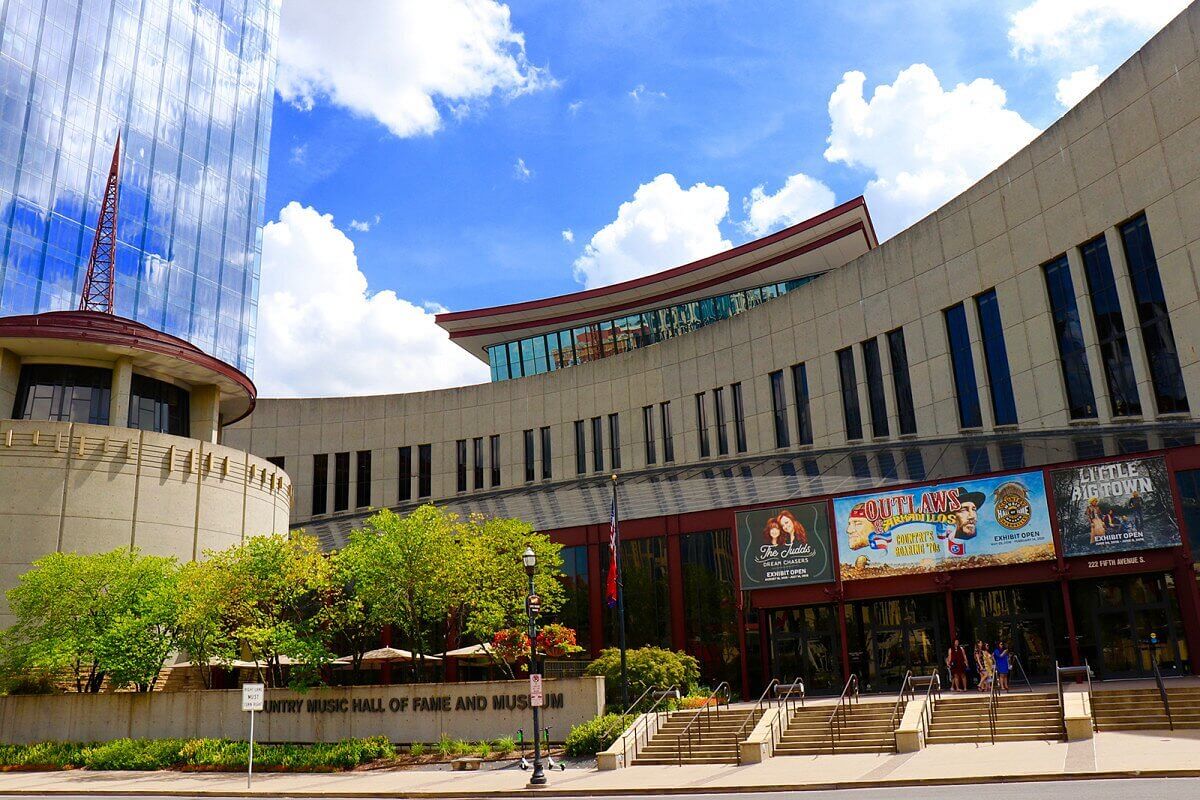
x=1110 y=329
x=1189 y=499
x=1157 y=336
x=962 y=365
x=647 y=588
x=580 y=448
x=668 y=438
x=1081 y=400
x=320 y=489
x=158 y=406
x=849 y=385
x=722 y=434
x=341 y=481
x=406 y=474
x=477 y=462
x=614 y=441
x=278 y=461
x=460 y=464
x=424 y=470
x=576 y=610
x=546 y=455
x=709 y=590
x=648 y=430
x=53 y=393
x=362 y=483
x=529 y=470
x=494 y=459
x=804 y=432
x=779 y=408
x=995 y=358
x=905 y=410
x=739 y=417
x=702 y=425
x=597 y=444
x=876 y=402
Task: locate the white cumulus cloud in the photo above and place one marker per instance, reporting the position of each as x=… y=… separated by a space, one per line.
x=568 y=236
x=923 y=143
x=365 y=225
x=322 y=332
x=1077 y=85
x=1072 y=30
x=800 y=198
x=663 y=226
x=402 y=62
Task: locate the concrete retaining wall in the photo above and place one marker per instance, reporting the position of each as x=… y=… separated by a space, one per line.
x=408 y=713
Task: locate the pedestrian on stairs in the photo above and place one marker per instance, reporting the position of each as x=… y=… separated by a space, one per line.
x=956 y=662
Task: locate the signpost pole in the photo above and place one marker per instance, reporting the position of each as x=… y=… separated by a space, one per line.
x=533 y=605
x=252 y=700
x=250 y=766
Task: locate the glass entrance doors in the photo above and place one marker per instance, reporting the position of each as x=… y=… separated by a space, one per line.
x=1027 y=618
x=1114 y=618
x=804 y=644
x=889 y=637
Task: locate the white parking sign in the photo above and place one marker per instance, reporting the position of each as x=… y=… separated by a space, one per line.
x=536 y=698
x=252 y=696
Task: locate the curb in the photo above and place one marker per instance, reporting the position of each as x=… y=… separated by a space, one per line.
x=552 y=792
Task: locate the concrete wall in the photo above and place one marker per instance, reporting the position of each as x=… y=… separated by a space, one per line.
x=1129 y=147
x=92 y=488
x=402 y=713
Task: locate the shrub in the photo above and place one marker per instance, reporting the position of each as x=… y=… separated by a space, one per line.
x=460 y=747
x=696 y=701
x=416 y=749
x=504 y=745
x=60 y=755
x=134 y=754
x=646 y=666
x=483 y=749
x=444 y=746
x=595 y=735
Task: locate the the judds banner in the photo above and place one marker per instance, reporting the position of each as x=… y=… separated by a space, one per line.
x=784 y=546
x=974 y=523
x=1109 y=508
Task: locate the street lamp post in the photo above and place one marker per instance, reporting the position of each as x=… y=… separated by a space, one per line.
x=529 y=558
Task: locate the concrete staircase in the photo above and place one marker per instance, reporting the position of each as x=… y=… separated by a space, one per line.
x=1019 y=717
x=713 y=742
x=867 y=729
x=1142 y=709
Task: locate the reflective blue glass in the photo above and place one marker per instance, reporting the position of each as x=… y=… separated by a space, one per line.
x=189 y=86
x=963 y=365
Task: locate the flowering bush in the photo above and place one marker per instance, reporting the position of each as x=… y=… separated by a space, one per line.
x=510 y=645
x=556 y=641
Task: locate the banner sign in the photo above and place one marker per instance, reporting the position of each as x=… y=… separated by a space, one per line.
x=973 y=523
x=1115 y=507
x=784 y=546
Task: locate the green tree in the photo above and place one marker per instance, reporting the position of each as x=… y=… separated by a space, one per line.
x=202 y=629
x=91 y=615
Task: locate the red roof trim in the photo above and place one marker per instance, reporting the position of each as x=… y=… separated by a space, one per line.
x=98 y=328
x=648 y=280
x=857 y=227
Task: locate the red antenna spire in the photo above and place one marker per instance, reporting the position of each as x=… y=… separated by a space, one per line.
x=101 y=272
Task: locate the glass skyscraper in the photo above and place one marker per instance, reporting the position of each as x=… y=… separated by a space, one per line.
x=188 y=84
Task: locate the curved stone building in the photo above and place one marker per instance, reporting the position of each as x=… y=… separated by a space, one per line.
x=1038 y=332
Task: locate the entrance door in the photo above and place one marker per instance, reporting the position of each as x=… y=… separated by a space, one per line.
x=1024 y=617
x=1115 y=618
x=804 y=645
x=890 y=637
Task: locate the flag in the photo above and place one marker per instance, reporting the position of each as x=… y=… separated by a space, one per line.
x=610 y=589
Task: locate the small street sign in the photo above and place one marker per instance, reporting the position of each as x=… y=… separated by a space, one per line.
x=252 y=696
x=533 y=604
x=536 y=698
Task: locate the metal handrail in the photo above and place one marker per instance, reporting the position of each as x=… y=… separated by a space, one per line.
x=642 y=723
x=704 y=709
x=1162 y=692
x=1012 y=657
x=762 y=701
x=1059 y=672
x=841 y=711
x=906 y=688
x=787 y=690
x=993 y=695
x=935 y=683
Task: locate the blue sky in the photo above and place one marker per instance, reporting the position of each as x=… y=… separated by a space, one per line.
x=454 y=143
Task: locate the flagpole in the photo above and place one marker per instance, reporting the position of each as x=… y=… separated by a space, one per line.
x=620 y=597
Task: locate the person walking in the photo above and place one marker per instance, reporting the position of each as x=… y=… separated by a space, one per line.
x=988 y=670
x=956 y=662
x=977 y=661
x=1000 y=654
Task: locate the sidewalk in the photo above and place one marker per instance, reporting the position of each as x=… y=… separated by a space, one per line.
x=1108 y=755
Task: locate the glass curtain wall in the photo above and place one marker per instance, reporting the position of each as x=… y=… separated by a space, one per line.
x=647 y=594
x=710 y=605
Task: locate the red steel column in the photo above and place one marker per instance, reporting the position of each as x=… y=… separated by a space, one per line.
x=675 y=585
x=1069 y=614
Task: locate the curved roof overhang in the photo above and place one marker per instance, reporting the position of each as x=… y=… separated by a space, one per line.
x=104 y=338
x=816 y=245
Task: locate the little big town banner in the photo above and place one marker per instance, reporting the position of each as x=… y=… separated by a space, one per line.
x=976 y=523
x=1115 y=507
x=784 y=546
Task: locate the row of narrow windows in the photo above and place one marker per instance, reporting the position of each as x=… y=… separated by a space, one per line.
x=69 y=393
